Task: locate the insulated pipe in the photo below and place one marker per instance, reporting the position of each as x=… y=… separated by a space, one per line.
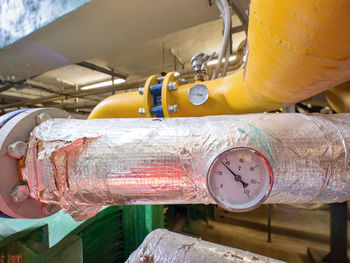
x=82 y=165
x=304 y=53
x=164 y=246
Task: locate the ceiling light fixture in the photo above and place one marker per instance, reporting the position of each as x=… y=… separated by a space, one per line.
x=103 y=84
x=215 y=61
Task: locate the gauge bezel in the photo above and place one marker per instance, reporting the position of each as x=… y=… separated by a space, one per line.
x=204 y=100
x=265 y=196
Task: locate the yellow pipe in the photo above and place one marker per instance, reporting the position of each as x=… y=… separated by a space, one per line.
x=117 y=106
x=297 y=49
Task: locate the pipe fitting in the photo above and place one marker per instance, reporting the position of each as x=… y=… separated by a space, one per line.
x=177 y=75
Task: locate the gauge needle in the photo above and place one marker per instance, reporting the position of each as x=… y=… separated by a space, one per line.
x=238 y=178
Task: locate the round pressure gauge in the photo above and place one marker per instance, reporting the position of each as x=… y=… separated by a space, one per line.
x=198 y=94
x=239 y=179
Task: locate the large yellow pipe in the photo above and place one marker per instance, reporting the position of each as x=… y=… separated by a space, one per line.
x=297 y=49
x=118 y=106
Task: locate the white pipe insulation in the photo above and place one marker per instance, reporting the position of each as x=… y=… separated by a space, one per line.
x=164 y=246
x=82 y=165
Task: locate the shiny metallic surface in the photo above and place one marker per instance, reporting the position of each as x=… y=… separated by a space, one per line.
x=142 y=111
x=172 y=86
x=177 y=75
x=17 y=149
x=140 y=90
x=164 y=246
x=172 y=108
x=82 y=165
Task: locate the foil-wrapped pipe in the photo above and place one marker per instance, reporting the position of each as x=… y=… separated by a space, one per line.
x=82 y=165
x=164 y=246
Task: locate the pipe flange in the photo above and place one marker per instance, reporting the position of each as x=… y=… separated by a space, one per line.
x=18 y=129
x=147 y=96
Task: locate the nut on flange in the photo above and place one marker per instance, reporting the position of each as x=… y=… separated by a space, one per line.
x=17 y=149
x=42 y=117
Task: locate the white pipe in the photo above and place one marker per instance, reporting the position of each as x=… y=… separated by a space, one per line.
x=225 y=12
x=164 y=246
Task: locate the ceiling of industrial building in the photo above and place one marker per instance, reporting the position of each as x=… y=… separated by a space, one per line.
x=134 y=38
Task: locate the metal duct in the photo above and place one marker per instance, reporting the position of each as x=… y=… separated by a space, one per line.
x=164 y=246
x=82 y=165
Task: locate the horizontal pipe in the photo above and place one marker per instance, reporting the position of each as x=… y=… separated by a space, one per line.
x=82 y=165
x=305 y=53
x=164 y=246
x=117 y=105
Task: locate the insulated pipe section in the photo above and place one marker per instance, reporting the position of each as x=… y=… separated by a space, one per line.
x=82 y=165
x=164 y=246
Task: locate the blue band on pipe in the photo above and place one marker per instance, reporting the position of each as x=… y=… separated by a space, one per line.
x=8 y=116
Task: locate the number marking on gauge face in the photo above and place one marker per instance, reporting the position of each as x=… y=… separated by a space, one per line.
x=239 y=179
x=198 y=94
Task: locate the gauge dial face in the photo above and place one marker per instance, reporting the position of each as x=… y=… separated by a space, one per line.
x=198 y=94
x=239 y=179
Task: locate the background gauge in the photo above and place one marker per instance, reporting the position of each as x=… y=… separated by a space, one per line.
x=198 y=94
x=239 y=179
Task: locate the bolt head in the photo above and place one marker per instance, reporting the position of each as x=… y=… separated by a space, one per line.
x=177 y=75
x=172 y=108
x=172 y=86
x=183 y=81
x=160 y=79
x=142 y=111
x=42 y=117
x=141 y=90
x=19 y=193
x=17 y=149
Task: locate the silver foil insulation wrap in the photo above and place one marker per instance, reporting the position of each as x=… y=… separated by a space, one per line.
x=164 y=246
x=82 y=165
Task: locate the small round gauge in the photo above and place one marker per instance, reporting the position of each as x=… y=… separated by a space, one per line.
x=239 y=179
x=198 y=94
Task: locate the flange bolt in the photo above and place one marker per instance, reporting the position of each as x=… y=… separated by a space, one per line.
x=172 y=108
x=17 y=149
x=42 y=117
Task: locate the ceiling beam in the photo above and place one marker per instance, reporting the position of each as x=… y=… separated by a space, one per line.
x=101 y=69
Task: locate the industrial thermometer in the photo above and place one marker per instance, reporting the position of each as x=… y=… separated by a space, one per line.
x=198 y=94
x=239 y=179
